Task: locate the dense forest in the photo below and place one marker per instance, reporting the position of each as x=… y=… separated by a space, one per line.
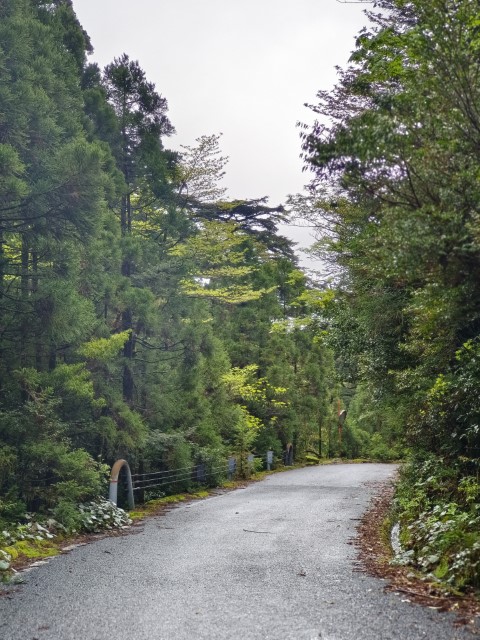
x=145 y=316
x=395 y=197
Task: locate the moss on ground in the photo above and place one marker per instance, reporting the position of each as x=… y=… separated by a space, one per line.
x=32 y=549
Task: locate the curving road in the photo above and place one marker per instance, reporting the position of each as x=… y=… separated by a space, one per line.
x=271 y=561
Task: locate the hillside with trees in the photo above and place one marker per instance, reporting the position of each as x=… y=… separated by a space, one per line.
x=143 y=315
x=395 y=198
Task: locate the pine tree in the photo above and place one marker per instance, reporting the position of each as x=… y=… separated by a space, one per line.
x=142 y=118
x=53 y=187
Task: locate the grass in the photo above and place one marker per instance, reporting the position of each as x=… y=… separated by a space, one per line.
x=26 y=550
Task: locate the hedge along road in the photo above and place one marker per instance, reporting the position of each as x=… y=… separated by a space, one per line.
x=271 y=561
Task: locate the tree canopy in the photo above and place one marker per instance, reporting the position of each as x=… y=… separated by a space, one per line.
x=395 y=196
x=143 y=314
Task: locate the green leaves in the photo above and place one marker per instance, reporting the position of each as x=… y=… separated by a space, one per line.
x=201 y=170
x=439 y=527
x=216 y=259
x=399 y=216
x=142 y=315
x=104 y=349
x=396 y=155
x=12 y=185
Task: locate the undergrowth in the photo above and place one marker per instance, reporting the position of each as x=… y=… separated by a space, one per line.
x=437 y=505
x=34 y=538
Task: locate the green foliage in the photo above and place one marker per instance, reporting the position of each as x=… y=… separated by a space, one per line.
x=142 y=315
x=400 y=214
x=216 y=254
x=215 y=465
x=66 y=513
x=165 y=451
x=374 y=426
x=100 y=515
x=395 y=200
x=245 y=432
x=439 y=514
x=201 y=169
x=45 y=469
x=451 y=406
x=104 y=349
x=259 y=406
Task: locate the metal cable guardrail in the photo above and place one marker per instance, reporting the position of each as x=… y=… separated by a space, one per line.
x=167 y=471
x=172 y=476
x=197 y=474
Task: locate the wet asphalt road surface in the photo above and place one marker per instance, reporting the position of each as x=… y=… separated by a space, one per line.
x=271 y=561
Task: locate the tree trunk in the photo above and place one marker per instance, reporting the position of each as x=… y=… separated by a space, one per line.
x=128 y=352
x=127 y=315
x=38 y=328
x=24 y=294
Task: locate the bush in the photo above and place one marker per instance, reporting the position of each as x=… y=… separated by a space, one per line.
x=171 y=451
x=439 y=518
x=67 y=514
x=102 y=514
x=215 y=465
x=258 y=464
x=51 y=472
x=379 y=450
x=40 y=467
x=11 y=510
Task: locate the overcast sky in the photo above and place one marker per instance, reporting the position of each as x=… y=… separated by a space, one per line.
x=243 y=68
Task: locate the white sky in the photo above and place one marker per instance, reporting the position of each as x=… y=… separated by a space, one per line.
x=243 y=68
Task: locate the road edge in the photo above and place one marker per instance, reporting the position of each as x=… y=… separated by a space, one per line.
x=375 y=553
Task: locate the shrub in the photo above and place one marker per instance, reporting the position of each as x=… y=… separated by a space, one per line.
x=101 y=514
x=439 y=518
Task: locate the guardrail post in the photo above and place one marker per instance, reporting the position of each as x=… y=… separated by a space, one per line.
x=232 y=467
x=289 y=455
x=113 y=491
x=201 y=473
x=269 y=460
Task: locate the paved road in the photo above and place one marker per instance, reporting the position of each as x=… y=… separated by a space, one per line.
x=271 y=561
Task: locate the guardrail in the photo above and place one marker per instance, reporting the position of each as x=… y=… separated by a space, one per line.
x=198 y=474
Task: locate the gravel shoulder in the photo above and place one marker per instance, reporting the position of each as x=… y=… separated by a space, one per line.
x=272 y=560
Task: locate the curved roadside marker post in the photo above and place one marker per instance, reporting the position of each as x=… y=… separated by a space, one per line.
x=113 y=491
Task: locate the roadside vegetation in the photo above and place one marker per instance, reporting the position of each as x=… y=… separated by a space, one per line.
x=437 y=506
x=36 y=538
x=395 y=197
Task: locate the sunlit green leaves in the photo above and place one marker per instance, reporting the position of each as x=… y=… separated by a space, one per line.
x=215 y=257
x=104 y=349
